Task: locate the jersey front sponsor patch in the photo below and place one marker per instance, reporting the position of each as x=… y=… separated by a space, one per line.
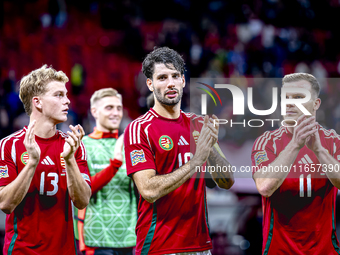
x=137 y=156
x=4 y=172
x=166 y=142
x=260 y=157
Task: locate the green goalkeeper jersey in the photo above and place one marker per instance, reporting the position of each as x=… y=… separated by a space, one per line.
x=111 y=215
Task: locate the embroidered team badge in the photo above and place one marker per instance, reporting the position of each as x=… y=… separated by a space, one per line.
x=4 y=172
x=62 y=162
x=260 y=157
x=166 y=142
x=196 y=134
x=137 y=156
x=24 y=158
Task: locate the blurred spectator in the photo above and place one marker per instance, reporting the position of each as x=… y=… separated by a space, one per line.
x=10 y=104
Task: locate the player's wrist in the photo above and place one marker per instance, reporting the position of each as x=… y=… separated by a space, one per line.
x=294 y=146
x=33 y=163
x=70 y=159
x=320 y=151
x=196 y=161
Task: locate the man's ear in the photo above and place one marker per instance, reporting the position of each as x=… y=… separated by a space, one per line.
x=317 y=104
x=149 y=83
x=36 y=103
x=183 y=78
x=94 y=112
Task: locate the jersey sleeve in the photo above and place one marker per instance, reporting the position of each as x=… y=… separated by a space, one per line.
x=263 y=152
x=8 y=170
x=81 y=158
x=336 y=147
x=138 y=151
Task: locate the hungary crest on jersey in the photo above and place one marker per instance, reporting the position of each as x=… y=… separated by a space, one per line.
x=166 y=142
x=24 y=158
x=196 y=135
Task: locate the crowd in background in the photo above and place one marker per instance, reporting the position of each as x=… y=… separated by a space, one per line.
x=101 y=44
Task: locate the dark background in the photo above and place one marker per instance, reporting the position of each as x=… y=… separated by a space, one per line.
x=101 y=44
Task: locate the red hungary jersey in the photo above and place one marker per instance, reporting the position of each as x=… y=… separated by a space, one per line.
x=176 y=222
x=299 y=218
x=42 y=222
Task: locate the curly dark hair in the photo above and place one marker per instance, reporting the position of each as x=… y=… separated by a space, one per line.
x=163 y=55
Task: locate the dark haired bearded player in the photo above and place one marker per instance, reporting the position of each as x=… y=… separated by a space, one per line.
x=161 y=156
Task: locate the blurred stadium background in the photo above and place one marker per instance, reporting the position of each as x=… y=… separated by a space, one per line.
x=102 y=44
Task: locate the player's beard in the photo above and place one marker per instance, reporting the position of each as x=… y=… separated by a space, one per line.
x=166 y=101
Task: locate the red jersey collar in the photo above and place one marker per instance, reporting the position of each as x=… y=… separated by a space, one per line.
x=96 y=134
x=163 y=118
x=45 y=140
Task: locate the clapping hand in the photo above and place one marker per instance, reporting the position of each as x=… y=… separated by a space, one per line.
x=31 y=145
x=72 y=142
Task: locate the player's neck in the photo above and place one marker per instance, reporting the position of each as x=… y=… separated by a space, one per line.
x=43 y=128
x=168 y=111
x=101 y=128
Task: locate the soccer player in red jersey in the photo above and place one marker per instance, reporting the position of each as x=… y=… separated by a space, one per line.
x=42 y=170
x=299 y=196
x=161 y=157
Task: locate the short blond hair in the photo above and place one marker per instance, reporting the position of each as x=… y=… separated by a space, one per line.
x=34 y=84
x=101 y=93
x=303 y=76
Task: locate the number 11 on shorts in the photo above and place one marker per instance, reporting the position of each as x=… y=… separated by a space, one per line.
x=309 y=186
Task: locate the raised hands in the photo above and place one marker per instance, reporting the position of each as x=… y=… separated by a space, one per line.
x=72 y=142
x=207 y=138
x=313 y=142
x=305 y=130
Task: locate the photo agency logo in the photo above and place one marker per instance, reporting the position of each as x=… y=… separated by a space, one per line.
x=288 y=95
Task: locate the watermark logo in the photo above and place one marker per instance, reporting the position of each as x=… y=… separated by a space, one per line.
x=289 y=96
x=238 y=99
x=204 y=97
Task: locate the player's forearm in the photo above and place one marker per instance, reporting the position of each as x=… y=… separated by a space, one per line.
x=332 y=166
x=267 y=182
x=158 y=186
x=79 y=190
x=12 y=194
x=223 y=179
